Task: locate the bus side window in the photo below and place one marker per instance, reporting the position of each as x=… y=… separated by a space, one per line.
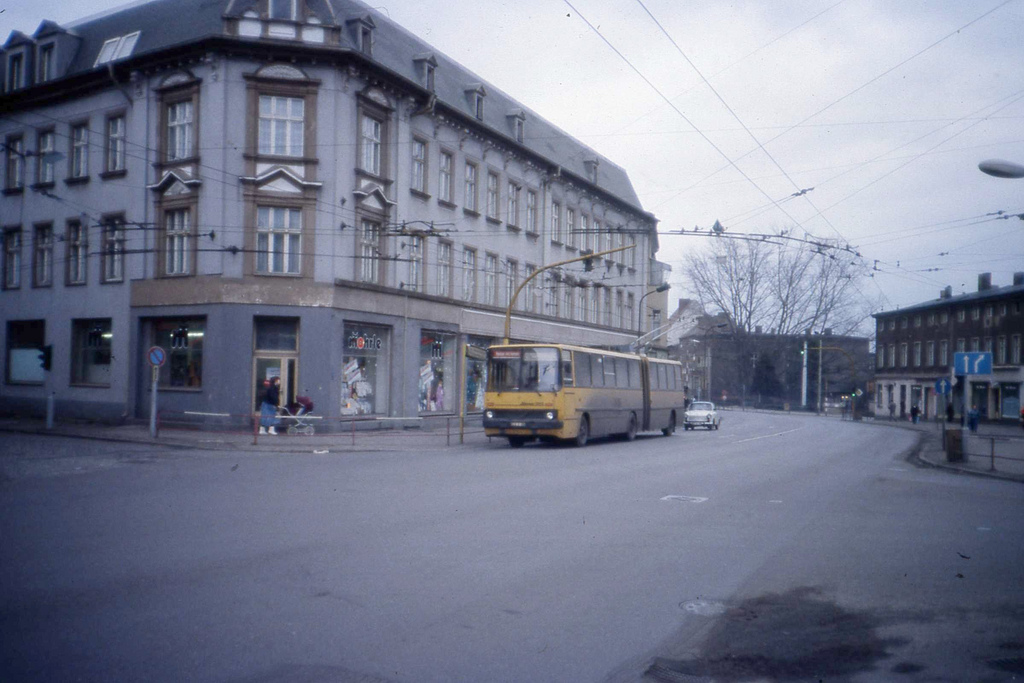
x=582 y=367
x=567 y=369
x=622 y=373
x=662 y=376
x=655 y=378
x=609 y=371
x=634 y=375
x=596 y=370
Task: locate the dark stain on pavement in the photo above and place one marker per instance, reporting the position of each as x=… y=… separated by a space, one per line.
x=797 y=635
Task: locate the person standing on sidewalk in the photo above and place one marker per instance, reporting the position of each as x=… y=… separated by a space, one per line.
x=950 y=413
x=268 y=411
x=972 y=418
x=892 y=411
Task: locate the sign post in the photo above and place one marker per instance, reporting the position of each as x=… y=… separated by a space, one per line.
x=971 y=363
x=156 y=357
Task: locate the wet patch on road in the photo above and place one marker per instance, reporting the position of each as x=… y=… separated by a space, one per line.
x=795 y=635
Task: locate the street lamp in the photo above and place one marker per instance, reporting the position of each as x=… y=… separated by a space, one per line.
x=1001 y=169
x=707 y=355
x=640 y=314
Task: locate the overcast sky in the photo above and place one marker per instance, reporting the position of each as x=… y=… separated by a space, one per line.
x=884 y=108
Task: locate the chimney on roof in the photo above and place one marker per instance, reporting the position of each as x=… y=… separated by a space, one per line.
x=1018 y=279
x=828 y=331
x=984 y=281
x=947 y=292
x=758 y=329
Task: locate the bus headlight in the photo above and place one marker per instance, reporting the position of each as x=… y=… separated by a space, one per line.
x=489 y=414
x=550 y=415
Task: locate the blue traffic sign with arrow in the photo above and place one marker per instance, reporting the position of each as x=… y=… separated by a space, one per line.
x=973 y=363
x=943 y=386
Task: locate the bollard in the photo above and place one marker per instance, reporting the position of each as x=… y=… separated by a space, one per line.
x=255 y=428
x=448 y=421
x=49 y=410
x=992 y=466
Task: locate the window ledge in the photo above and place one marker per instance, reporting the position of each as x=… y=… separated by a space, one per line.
x=85 y=385
x=183 y=161
x=493 y=221
x=48 y=185
x=120 y=173
x=14 y=190
x=419 y=193
x=471 y=212
x=557 y=242
x=284 y=275
x=184 y=390
x=77 y=180
x=446 y=204
x=75 y=284
x=112 y=282
x=513 y=228
x=14 y=383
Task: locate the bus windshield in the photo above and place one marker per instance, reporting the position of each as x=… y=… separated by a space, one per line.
x=530 y=369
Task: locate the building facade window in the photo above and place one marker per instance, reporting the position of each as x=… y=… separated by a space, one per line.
x=112 y=257
x=444 y=178
x=608 y=305
x=630 y=310
x=975 y=313
x=1015 y=349
x=511 y=282
x=45 y=63
x=570 y=228
x=178 y=242
x=180 y=130
x=531 y=212
x=15 y=179
x=183 y=339
x=282 y=125
x=975 y=344
x=42 y=256
x=371 y=136
x=892 y=355
x=930 y=354
x=79 y=165
x=530 y=301
x=1000 y=352
x=15 y=71
x=469 y=201
x=24 y=340
x=12 y=258
x=512 y=209
x=585 y=232
x=620 y=310
x=419 y=166
x=77 y=252
x=943 y=352
x=370 y=235
x=556 y=222
x=491 y=280
x=917 y=354
x=91 y=342
x=961 y=345
x=116 y=141
x=365 y=371
x=904 y=355
x=492 y=196
x=45 y=172
x=469 y=275
x=415 y=280
x=278 y=240
x=282 y=9
x=444 y=269
x=943 y=318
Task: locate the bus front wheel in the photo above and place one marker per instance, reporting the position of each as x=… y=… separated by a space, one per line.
x=631 y=430
x=516 y=441
x=583 y=433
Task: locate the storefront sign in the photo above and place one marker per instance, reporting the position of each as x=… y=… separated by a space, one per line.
x=365 y=342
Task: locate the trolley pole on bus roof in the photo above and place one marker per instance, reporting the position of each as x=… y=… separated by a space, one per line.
x=587 y=257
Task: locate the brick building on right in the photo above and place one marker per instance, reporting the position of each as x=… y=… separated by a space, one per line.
x=915 y=347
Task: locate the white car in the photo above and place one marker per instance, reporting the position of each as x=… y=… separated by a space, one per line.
x=701 y=414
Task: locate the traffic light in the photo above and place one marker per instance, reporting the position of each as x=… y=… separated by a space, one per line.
x=588 y=263
x=46 y=357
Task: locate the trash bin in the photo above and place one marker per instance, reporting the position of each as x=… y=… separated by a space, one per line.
x=954 y=445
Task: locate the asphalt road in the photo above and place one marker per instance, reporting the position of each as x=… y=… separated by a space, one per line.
x=778 y=548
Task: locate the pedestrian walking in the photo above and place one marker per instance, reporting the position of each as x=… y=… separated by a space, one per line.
x=950 y=413
x=892 y=411
x=915 y=413
x=268 y=410
x=973 y=418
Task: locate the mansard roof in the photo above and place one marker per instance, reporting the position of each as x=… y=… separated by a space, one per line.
x=161 y=26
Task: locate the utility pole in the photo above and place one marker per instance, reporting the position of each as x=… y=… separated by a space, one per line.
x=819 y=375
x=803 y=378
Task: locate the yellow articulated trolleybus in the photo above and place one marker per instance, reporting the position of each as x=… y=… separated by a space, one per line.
x=573 y=393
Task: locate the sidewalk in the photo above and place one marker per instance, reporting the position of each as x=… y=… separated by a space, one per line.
x=439 y=435
x=995 y=450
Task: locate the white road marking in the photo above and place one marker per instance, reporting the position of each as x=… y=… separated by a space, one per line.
x=774 y=501
x=686 y=499
x=768 y=436
x=984 y=528
x=897 y=469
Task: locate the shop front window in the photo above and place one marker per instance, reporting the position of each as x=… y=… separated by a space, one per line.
x=25 y=339
x=182 y=339
x=364 y=376
x=476 y=375
x=437 y=380
x=90 y=360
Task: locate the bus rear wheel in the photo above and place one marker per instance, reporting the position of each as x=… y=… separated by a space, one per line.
x=630 y=434
x=583 y=433
x=670 y=430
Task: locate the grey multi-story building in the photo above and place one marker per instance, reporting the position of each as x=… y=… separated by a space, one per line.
x=292 y=188
x=915 y=346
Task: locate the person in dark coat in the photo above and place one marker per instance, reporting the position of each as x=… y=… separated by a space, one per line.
x=268 y=411
x=949 y=412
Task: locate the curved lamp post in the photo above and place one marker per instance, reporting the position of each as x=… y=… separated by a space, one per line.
x=640 y=314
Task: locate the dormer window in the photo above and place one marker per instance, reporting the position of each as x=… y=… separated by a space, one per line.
x=118 y=48
x=282 y=9
x=517 y=119
x=590 y=165
x=361 y=31
x=45 y=64
x=476 y=95
x=426 y=65
x=15 y=71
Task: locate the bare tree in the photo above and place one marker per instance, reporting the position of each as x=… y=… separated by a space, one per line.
x=784 y=288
